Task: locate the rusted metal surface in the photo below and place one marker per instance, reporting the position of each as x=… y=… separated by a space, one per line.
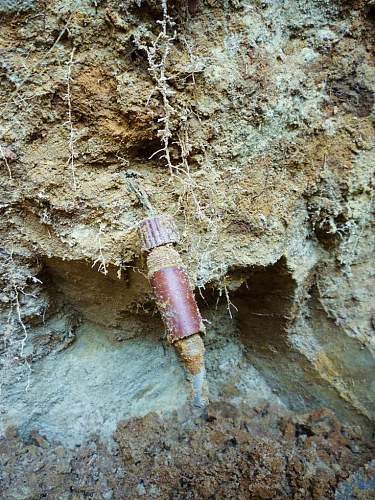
x=175 y=300
x=191 y=351
x=169 y=279
x=157 y=231
x=176 y=303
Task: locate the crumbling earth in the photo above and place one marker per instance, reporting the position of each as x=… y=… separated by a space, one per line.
x=251 y=123
x=229 y=452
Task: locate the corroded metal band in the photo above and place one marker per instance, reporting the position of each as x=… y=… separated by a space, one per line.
x=157 y=231
x=191 y=350
x=161 y=257
x=176 y=303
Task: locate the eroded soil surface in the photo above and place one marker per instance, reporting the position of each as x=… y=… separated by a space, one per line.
x=228 y=452
x=251 y=123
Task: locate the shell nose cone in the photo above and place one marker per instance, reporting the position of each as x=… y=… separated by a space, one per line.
x=200 y=389
x=191 y=351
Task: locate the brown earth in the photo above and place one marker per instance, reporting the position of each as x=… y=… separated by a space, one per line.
x=251 y=123
x=228 y=452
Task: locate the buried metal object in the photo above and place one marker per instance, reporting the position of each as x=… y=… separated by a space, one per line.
x=175 y=299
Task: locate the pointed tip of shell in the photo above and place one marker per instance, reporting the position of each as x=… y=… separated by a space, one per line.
x=191 y=351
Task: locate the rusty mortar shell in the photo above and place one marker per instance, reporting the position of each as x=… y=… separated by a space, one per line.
x=169 y=279
x=175 y=299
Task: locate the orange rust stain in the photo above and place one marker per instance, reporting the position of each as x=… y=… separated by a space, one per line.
x=191 y=351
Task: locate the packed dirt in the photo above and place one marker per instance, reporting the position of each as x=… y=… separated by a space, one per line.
x=249 y=122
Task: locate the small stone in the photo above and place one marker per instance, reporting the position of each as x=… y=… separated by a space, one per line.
x=289 y=430
x=39 y=440
x=8 y=153
x=141 y=490
x=11 y=432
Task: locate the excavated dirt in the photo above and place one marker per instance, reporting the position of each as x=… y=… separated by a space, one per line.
x=229 y=452
x=251 y=124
